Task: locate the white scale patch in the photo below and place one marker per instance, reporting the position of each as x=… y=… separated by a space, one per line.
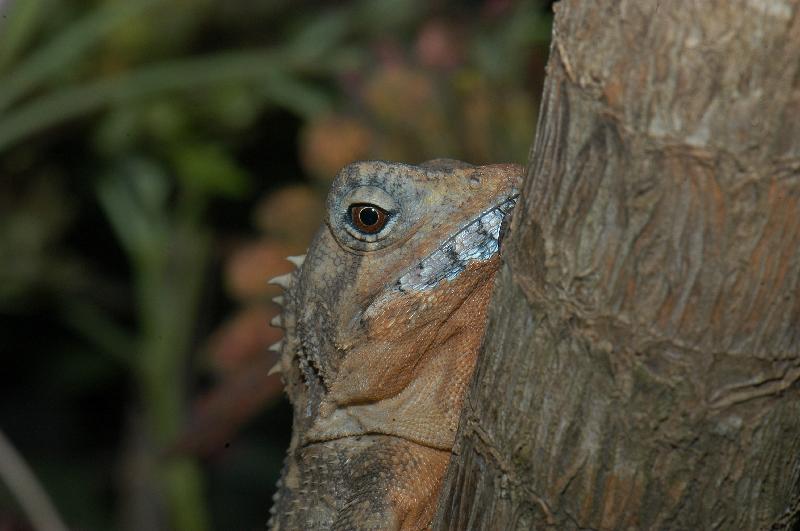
x=480 y=240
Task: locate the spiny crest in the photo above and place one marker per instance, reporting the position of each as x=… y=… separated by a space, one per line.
x=284 y=320
x=277 y=346
x=286 y=281
x=297 y=260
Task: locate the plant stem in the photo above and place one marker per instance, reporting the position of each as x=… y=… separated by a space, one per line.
x=170 y=282
x=30 y=494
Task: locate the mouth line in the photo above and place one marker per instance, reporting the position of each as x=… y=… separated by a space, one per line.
x=314 y=442
x=478 y=240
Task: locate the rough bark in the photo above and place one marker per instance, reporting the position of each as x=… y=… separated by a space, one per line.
x=641 y=367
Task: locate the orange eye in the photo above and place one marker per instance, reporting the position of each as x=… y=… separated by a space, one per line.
x=368 y=219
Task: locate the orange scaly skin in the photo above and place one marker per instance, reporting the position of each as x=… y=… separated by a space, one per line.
x=382 y=335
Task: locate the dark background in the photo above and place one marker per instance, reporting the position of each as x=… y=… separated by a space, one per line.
x=158 y=160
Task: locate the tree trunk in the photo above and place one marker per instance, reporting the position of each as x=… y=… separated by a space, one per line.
x=642 y=360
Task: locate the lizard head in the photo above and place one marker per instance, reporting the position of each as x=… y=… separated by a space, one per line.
x=385 y=316
x=383 y=322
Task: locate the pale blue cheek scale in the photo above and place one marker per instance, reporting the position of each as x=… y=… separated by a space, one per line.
x=477 y=241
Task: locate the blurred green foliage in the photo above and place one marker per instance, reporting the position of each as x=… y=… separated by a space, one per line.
x=158 y=159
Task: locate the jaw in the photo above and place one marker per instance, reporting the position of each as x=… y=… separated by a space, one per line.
x=408 y=375
x=402 y=368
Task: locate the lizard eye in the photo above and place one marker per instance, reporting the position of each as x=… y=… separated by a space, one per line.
x=367 y=218
x=358 y=222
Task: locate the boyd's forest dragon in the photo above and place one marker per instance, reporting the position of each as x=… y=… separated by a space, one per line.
x=383 y=321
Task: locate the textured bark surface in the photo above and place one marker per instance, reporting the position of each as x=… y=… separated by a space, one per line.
x=642 y=362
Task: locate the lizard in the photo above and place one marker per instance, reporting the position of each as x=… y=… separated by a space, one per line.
x=383 y=319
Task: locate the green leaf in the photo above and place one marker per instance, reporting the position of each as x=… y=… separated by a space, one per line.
x=380 y=16
x=20 y=21
x=234 y=106
x=297 y=95
x=66 y=47
x=184 y=74
x=134 y=199
x=165 y=119
x=317 y=37
x=208 y=170
x=118 y=130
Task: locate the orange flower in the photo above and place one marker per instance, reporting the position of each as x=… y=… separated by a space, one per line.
x=249 y=269
x=292 y=214
x=398 y=95
x=331 y=142
x=243 y=338
x=439 y=46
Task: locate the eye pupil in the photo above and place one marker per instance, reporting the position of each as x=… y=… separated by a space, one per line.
x=368 y=216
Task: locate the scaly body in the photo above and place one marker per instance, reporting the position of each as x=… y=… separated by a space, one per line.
x=383 y=321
